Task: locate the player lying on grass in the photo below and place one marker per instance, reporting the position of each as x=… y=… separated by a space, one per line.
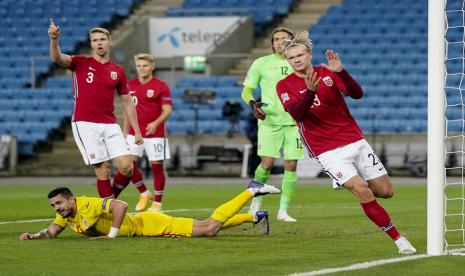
x=107 y=218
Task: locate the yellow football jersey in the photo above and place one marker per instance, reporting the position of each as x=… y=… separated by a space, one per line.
x=93 y=218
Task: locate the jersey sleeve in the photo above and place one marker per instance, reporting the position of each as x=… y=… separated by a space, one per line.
x=59 y=220
x=253 y=75
x=166 y=97
x=122 y=87
x=284 y=94
x=74 y=61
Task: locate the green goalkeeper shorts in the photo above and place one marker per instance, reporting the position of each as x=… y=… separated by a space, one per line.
x=271 y=138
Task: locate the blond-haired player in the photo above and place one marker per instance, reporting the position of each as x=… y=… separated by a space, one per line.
x=97 y=135
x=153 y=102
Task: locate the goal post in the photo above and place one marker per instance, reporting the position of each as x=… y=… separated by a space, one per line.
x=436 y=127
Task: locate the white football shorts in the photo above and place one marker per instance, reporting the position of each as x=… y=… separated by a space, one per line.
x=345 y=162
x=156 y=148
x=99 y=142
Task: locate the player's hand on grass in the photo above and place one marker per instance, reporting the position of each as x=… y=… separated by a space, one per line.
x=53 y=30
x=312 y=80
x=150 y=129
x=334 y=62
x=26 y=236
x=257 y=110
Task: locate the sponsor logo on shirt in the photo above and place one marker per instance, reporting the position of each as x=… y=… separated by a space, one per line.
x=84 y=222
x=285 y=97
x=328 y=81
x=113 y=75
x=303 y=91
x=150 y=93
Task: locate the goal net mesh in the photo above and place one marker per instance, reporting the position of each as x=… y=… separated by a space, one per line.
x=454 y=188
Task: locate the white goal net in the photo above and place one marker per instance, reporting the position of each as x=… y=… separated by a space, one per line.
x=454 y=186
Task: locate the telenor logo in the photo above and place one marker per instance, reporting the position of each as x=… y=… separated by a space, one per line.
x=171 y=37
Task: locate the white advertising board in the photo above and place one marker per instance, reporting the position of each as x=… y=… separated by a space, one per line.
x=181 y=36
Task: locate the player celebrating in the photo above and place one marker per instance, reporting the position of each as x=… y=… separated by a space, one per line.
x=97 y=135
x=152 y=98
x=313 y=95
x=107 y=218
x=276 y=129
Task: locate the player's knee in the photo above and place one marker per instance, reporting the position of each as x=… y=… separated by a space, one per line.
x=127 y=171
x=386 y=193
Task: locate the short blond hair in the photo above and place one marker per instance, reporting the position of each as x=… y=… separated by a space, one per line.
x=144 y=56
x=301 y=39
x=100 y=30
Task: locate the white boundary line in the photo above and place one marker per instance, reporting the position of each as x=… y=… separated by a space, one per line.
x=49 y=219
x=361 y=265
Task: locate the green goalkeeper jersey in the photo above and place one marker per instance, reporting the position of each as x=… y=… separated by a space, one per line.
x=267 y=71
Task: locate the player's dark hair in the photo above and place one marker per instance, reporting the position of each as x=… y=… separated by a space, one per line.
x=277 y=30
x=65 y=192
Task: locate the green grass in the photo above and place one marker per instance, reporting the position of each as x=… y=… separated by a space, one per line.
x=331 y=232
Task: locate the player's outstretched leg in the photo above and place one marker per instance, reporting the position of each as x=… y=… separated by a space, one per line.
x=261 y=175
x=230 y=208
x=260 y=218
x=258 y=189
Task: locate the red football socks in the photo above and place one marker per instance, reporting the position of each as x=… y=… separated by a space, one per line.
x=380 y=217
x=158 y=181
x=137 y=179
x=104 y=188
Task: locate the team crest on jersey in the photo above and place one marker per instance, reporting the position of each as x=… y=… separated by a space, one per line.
x=284 y=97
x=92 y=156
x=113 y=75
x=150 y=93
x=339 y=175
x=328 y=81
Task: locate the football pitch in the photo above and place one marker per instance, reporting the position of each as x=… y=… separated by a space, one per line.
x=331 y=232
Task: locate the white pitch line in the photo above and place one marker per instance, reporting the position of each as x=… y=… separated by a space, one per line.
x=49 y=219
x=361 y=265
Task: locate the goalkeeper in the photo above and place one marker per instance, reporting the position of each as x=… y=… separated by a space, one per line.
x=276 y=128
x=107 y=218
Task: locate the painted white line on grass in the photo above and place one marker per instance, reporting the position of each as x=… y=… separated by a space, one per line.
x=361 y=265
x=49 y=219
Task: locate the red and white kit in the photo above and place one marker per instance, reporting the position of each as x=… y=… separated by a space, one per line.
x=97 y=135
x=149 y=99
x=325 y=124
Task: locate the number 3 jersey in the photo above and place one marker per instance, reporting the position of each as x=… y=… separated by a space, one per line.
x=327 y=123
x=149 y=99
x=94 y=86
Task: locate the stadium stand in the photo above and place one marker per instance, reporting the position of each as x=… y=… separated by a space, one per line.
x=34 y=114
x=263 y=12
x=384 y=48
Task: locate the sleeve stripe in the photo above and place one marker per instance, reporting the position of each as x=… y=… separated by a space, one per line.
x=104 y=203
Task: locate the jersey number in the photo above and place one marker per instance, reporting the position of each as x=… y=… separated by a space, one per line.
x=158 y=148
x=316 y=102
x=299 y=143
x=134 y=97
x=284 y=70
x=90 y=77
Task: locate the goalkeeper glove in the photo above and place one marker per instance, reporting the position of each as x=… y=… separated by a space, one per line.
x=257 y=110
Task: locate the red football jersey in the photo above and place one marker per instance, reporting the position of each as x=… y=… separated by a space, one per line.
x=328 y=124
x=94 y=87
x=148 y=99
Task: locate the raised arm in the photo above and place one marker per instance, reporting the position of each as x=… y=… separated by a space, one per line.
x=55 y=52
x=349 y=87
x=130 y=111
x=51 y=232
